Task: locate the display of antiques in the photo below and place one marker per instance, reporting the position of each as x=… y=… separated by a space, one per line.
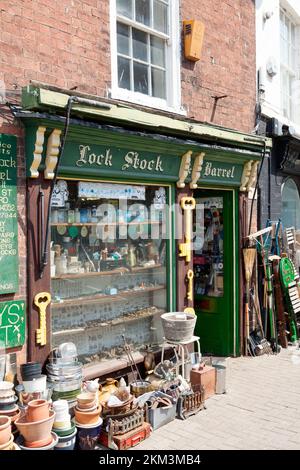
x=272 y=303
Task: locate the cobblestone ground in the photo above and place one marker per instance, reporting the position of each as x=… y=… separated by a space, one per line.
x=261 y=410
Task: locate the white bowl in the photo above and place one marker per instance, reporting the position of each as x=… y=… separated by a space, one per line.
x=35 y=385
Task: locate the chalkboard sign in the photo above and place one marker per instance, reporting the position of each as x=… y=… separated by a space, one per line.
x=9 y=263
x=12 y=324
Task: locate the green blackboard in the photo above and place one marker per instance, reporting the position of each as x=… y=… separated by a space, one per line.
x=9 y=263
x=12 y=324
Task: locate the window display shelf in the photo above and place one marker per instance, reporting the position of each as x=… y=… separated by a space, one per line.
x=134 y=316
x=112 y=298
x=120 y=271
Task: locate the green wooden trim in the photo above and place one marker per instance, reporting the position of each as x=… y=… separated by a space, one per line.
x=34 y=97
x=237 y=277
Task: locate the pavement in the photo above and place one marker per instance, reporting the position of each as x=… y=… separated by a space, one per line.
x=260 y=410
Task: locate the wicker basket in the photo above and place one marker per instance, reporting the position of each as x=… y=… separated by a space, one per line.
x=178 y=326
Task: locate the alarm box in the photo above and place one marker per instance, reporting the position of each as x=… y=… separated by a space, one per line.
x=193 y=31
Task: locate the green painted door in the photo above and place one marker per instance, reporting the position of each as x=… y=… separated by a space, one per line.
x=215 y=289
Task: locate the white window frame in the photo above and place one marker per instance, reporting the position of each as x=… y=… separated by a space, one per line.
x=172 y=103
x=293 y=74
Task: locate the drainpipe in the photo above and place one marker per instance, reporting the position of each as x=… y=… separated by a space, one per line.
x=72 y=100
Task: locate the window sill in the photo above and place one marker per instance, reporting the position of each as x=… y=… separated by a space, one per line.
x=144 y=101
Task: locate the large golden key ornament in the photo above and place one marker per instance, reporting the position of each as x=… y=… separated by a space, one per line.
x=42 y=300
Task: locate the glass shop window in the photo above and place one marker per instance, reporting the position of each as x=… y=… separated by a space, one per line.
x=108 y=266
x=290 y=212
x=145 y=52
x=208 y=252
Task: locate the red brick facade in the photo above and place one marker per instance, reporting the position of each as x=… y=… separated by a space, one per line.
x=67 y=44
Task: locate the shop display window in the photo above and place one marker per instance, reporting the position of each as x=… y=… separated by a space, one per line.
x=208 y=252
x=109 y=255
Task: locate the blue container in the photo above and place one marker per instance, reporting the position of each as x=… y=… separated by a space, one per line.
x=88 y=435
x=67 y=442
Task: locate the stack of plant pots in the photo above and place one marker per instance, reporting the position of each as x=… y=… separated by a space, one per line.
x=32 y=377
x=88 y=421
x=6 y=436
x=8 y=399
x=63 y=427
x=65 y=374
x=35 y=427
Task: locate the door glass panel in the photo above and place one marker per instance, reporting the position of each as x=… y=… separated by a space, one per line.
x=208 y=253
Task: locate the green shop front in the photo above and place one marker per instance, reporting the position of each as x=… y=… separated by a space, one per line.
x=119 y=251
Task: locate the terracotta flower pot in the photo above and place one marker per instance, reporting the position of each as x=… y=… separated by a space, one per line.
x=5 y=429
x=87 y=417
x=38 y=431
x=37 y=410
x=8 y=445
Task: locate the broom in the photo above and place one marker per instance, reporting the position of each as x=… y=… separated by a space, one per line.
x=249 y=255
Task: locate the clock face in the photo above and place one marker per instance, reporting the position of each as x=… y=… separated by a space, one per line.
x=84 y=231
x=61 y=229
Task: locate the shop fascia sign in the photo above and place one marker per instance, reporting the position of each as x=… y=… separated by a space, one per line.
x=131 y=160
x=84 y=159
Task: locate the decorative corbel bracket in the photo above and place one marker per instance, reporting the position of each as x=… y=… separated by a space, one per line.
x=37 y=153
x=246 y=176
x=184 y=169
x=197 y=168
x=52 y=153
x=253 y=176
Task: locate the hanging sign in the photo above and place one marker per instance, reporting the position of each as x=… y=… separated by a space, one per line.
x=12 y=324
x=9 y=264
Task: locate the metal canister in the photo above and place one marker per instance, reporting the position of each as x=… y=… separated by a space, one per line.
x=220 y=378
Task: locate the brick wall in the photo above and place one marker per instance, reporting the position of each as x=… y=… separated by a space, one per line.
x=66 y=43
x=227 y=66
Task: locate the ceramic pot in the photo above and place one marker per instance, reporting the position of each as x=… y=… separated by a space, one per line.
x=22 y=444
x=62 y=419
x=9 y=444
x=5 y=429
x=38 y=384
x=87 y=417
x=37 y=410
x=86 y=399
x=64 y=432
x=30 y=371
x=6 y=388
x=26 y=397
x=88 y=436
x=67 y=442
x=35 y=431
x=107 y=390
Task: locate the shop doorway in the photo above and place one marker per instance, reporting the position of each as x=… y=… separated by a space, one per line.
x=214 y=260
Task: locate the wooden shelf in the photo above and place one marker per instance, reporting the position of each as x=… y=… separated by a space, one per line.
x=108 y=273
x=112 y=298
x=121 y=224
x=104 y=324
